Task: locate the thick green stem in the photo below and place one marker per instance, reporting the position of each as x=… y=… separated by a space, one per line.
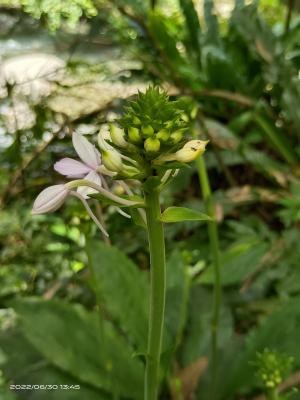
x=157 y=293
x=273 y=394
x=215 y=254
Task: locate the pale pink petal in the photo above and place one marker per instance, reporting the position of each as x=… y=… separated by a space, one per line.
x=71 y=168
x=85 y=190
x=50 y=199
x=86 y=151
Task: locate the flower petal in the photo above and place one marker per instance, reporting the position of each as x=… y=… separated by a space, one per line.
x=50 y=199
x=86 y=151
x=85 y=190
x=71 y=168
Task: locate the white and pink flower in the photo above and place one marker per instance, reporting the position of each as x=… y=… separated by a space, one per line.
x=87 y=168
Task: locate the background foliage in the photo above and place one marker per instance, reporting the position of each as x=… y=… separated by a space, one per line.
x=73 y=310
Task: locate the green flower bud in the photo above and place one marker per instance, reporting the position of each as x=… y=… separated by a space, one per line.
x=128 y=171
x=112 y=160
x=194 y=112
x=177 y=136
x=136 y=121
x=147 y=130
x=169 y=124
x=152 y=145
x=134 y=135
x=185 y=117
x=163 y=135
x=103 y=135
x=270 y=384
x=117 y=136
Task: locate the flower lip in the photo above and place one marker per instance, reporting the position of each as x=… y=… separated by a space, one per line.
x=50 y=199
x=85 y=191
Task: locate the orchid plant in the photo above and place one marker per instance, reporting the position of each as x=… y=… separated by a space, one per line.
x=149 y=144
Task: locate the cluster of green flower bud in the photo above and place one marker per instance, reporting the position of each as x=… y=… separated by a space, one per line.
x=153 y=132
x=272 y=367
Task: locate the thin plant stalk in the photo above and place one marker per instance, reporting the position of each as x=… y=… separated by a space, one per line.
x=157 y=294
x=215 y=254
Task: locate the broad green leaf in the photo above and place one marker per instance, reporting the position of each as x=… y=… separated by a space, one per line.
x=8 y=395
x=240 y=260
x=79 y=344
x=197 y=341
x=123 y=288
x=178 y=214
x=178 y=284
x=25 y=365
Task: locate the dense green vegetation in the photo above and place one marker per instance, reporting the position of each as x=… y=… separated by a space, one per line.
x=74 y=303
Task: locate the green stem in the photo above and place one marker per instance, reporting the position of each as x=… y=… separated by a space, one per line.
x=215 y=254
x=273 y=394
x=157 y=293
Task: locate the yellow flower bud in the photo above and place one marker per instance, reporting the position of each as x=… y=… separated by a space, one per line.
x=191 y=150
x=134 y=135
x=118 y=190
x=152 y=145
x=117 y=136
